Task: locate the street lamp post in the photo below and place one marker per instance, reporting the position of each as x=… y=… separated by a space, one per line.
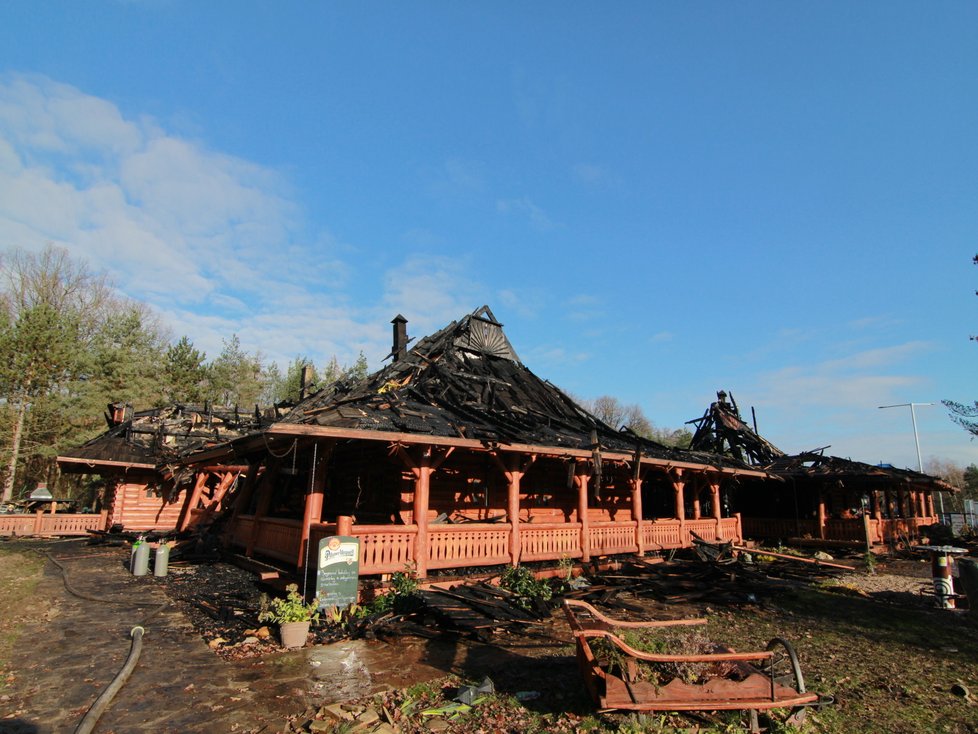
x=916 y=441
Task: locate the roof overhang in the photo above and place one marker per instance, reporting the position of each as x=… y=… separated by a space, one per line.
x=296 y=431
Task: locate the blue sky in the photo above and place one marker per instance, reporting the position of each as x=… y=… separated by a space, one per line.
x=658 y=200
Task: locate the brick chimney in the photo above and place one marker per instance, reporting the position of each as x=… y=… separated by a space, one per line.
x=399 y=347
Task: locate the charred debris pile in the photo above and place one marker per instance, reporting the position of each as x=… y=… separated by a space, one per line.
x=223 y=601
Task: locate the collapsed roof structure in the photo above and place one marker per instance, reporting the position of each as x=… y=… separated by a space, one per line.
x=821 y=497
x=139 y=456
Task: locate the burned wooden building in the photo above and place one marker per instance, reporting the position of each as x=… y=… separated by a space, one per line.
x=812 y=496
x=144 y=486
x=456 y=455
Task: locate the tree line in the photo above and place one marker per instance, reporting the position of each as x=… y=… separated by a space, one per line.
x=70 y=345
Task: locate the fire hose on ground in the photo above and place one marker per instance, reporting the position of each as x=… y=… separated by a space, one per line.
x=102 y=703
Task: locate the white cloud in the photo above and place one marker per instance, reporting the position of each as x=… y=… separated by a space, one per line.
x=538 y=218
x=213 y=242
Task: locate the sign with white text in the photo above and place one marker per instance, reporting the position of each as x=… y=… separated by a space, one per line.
x=338 y=575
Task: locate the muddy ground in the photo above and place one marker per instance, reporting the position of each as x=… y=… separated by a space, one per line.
x=873 y=642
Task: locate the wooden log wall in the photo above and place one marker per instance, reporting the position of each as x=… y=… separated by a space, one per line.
x=138 y=505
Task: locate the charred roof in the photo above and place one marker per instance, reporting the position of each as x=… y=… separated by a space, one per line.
x=153 y=437
x=722 y=430
x=466 y=381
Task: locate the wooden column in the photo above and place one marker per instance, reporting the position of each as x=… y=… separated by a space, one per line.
x=422 y=493
x=581 y=478
x=874 y=497
x=821 y=515
x=678 y=487
x=697 y=488
x=514 y=475
x=636 y=484
x=931 y=512
x=313 y=510
x=344 y=525
x=717 y=511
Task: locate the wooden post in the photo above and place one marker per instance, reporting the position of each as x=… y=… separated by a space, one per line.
x=821 y=515
x=874 y=497
x=930 y=505
x=515 y=476
x=344 y=525
x=312 y=512
x=422 y=491
x=581 y=477
x=636 y=484
x=715 y=505
x=697 y=488
x=678 y=486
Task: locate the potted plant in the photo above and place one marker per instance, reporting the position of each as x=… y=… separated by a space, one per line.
x=293 y=615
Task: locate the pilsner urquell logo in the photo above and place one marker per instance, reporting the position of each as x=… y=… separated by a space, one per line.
x=336 y=552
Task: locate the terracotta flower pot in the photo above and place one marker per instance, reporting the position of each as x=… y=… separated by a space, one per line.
x=293 y=634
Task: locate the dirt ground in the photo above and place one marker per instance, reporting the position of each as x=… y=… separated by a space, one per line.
x=875 y=643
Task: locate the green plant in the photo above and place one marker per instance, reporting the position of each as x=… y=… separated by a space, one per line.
x=528 y=589
x=291 y=608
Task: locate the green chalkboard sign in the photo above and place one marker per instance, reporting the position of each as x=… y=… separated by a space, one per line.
x=339 y=571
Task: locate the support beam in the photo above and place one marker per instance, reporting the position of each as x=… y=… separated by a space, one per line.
x=821 y=514
x=636 y=485
x=312 y=512
x=581 y=478
x=716 y=510
x=422 y=492
x=515 y=476
x=193 y=500
x=679 y=502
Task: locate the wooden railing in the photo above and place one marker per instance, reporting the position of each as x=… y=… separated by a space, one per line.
x=606 y=538
x=848 y=529
x=278 y=538
x=662 y=534
x=241 y=532
x=892 y=529
x=390 y=548
x=710 y=529
x=385 y=548
x=468 y=544
x=550 y=541
x=49 y=525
